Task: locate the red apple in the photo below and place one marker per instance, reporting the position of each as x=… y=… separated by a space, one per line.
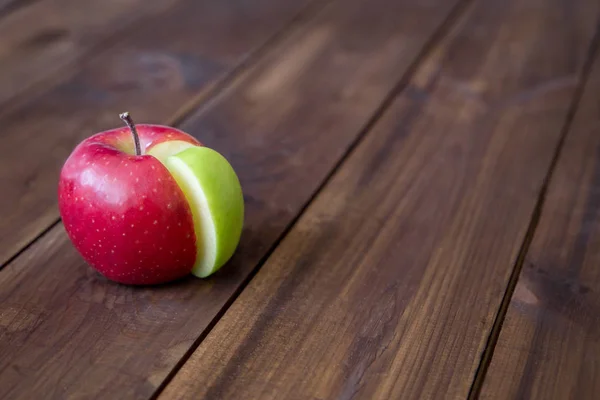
x=133 y=218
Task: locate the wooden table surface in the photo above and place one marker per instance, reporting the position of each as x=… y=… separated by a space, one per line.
x=422 y=193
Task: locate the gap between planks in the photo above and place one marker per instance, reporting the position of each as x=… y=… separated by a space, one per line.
x=492 y=340
x=204 y=98
x=459 y=9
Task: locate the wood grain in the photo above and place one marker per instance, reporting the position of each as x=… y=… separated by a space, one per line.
x=38 y=39
x=388 y=285
x=549 y=345
x=153 y=73
x=284 y=124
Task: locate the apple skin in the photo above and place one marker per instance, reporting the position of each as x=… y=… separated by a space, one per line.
x=125 y=213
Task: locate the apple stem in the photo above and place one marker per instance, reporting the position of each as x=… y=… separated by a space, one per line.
x=136 y=139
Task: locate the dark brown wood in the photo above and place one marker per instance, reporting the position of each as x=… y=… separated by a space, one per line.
x=153 y=73
x=40 y=39
x=388 y=285
x=284 y=125
x=549 y=345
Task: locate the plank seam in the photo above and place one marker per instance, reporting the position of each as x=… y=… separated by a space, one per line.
x=446 y=25
x=205 y=96
x=40 y=235
x=492 y=339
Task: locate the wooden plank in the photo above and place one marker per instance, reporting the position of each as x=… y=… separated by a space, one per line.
x=284 y=125
x=388 y=285
x=549 y=345
x=38 y=39
x=153 y=73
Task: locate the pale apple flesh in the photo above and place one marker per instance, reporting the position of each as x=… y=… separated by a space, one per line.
x=163 y=150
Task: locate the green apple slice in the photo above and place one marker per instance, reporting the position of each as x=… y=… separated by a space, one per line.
x=214 y=194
